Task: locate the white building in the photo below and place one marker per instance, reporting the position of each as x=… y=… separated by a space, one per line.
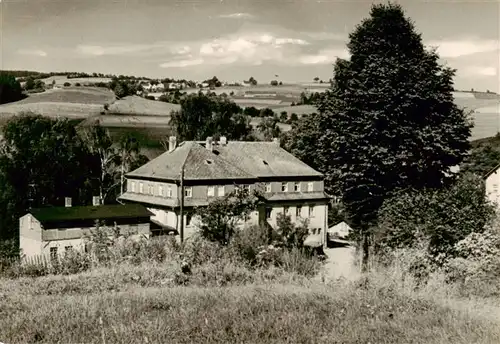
x=214 y=169
x=492 y=183
x=54 y=230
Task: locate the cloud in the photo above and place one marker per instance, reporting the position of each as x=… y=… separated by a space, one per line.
x=182 y=63
x=40 y=53
x=98 y=50
x=463 y=47
x=326 y=36
x=181 y=50
x=281 y=41
x=478 y=71
x=325 y=56
x=237 y=16
x=248 y=49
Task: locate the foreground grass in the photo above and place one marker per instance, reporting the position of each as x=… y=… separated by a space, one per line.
x=121 y=306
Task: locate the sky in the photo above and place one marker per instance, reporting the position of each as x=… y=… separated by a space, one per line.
x=233 y=39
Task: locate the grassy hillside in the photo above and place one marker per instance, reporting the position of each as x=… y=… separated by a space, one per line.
x=61 y=79
x=137 y=106
x=74 y=103
x=132 y=304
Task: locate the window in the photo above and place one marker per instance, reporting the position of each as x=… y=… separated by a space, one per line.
x=188 y=219
x=169 y=191
x=285 y=210
x=221 y=191
x=188 y=191
x=311 y=210
x=284 y=187
x=53 y=252
x=313 y=231
x=68 y=248
x=151 y=189
x=296 y=187
x=141 y=188
x=211 y=191
x=269 y=212
x=160 y=191
x=268 y=187
x=132 y=186
x=298 y=211
x=310 y=186
x=319 y=231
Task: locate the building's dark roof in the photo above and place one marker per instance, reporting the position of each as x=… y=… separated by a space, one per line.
x=102 y=212
x=265 y=159
x=199 y=164
x=234 y=160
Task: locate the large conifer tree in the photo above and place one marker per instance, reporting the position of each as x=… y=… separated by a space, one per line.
x=390 y=120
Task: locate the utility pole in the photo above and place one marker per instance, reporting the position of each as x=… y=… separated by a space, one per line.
x=181 y=232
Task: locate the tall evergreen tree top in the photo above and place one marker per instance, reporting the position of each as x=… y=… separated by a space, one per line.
x=390 y=120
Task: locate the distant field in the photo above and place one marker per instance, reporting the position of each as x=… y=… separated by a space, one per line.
x=129 y=121
x=299 y=109
x=76 y=95
x=53 y=109
x=61 y=79
x=70 y=103
x=135 y=105
x=136 y=112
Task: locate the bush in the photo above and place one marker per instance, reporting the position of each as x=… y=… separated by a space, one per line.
x=440 y=218
x=477 y=266
x=249 y=241
x=66 y=84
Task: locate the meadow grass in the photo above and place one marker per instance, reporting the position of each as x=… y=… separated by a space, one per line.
x=105 y=309
x=140 y=298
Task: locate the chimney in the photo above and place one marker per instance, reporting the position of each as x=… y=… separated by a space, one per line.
x=276 y=141
x=96 y=200
x=172 y=143
x=67 y=202
x=209 y=144
x=223 y=140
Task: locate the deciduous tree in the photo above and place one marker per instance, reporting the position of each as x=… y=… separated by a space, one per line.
x=218 y=221
x=390 y=120
x=42 y=161
x=202 y=116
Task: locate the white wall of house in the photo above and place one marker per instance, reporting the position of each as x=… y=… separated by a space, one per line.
x=315 y=213
x=165 y=217
x=30 y=235
x=35 y=240
x=493 y=187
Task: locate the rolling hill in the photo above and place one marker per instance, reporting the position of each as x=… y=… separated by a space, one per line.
x=87 y=103
x=73 y=103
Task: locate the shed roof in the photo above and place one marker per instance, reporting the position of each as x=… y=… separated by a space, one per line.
x=101 y=212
